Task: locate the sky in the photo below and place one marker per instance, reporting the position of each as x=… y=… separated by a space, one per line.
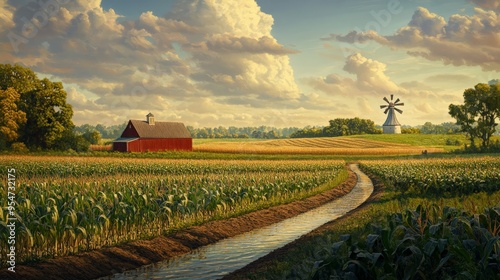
x=281 y=63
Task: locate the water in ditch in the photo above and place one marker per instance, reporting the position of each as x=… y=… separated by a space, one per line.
x=216 y=260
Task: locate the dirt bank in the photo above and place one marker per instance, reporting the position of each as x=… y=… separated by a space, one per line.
x=283 y=253
x=107 y=261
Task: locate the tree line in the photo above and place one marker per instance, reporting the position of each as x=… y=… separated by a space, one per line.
x=267 y=132
x=260 y=132
x=340 y=127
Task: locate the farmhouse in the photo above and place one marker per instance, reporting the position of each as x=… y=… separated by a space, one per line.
x=149 y=135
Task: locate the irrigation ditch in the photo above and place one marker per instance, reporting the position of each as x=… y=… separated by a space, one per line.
x=171 y=257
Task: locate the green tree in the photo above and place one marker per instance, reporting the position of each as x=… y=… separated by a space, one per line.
x=48 y=116
x=93 y=137
x=477 y=116
x=272 y=135
x=11 y=118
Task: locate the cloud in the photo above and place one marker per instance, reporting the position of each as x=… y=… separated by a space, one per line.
x=235 y=52
x=224 y=43
x=447 y=78
x=361 y=96
x=462 y=40
x=487 y=4
x=370 y=79
x=221 y=51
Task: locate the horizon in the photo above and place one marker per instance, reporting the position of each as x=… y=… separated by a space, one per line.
x=249 y=63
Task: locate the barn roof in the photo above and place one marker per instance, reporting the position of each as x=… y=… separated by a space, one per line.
x=160 y=129
x=125 y=140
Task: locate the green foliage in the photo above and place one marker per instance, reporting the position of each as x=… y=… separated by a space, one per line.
x=108 y=132
x=261 y=132
x=478 y=113
x=410 y=130
x=93 y=137
x=19 y=147
x=444 y=128
x=425 y=243
x=48 y=116
x=453 y=142
x=69 y=204
x=339 y=127
x=456 y=176
x=11 y=118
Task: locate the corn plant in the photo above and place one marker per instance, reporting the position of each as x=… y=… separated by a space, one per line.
x=425 y=243
x=438 y=176
x=69 y=205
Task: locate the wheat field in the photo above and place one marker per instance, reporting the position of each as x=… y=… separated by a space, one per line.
x=323 y=146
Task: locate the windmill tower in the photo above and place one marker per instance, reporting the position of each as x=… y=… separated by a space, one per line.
x=391 y=125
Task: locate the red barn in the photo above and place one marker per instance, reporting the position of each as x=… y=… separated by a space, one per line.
x=143 y=136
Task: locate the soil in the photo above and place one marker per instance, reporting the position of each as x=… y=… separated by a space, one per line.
x=284 y=252
x=116 y=259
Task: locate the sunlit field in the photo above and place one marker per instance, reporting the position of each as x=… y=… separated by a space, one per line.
x=67 y=205
x=436 y=219
x=318 y=146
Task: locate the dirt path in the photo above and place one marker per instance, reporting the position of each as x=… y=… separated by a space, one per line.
x=111 y=260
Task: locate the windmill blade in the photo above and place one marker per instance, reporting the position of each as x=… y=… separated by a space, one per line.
x=385 y=112
x=399 y=110
x=392 y=96
x=383 y=106
x=385 y=98
x=399 y=104
x=397 y=100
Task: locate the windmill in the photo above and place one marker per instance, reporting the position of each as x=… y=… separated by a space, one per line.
x=391 y=125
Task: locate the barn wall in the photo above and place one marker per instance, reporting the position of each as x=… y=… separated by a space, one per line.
x=129 y=131
x=120 y=146
x=154 y=145
x=134 y=146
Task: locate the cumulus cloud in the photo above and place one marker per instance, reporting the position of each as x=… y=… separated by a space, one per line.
x=361 y=96
x=211 y=49
x=462 y=40
x=487 y=4
x=370 y=78
x=234 y=50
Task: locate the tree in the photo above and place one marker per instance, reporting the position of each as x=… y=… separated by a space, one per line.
x=271 y=135
x=11 y=118
x=93 y=137
x=479 y=112
x=354 y=126
x=48 y=116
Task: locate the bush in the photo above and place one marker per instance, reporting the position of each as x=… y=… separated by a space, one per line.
x=19 y=147
x=453 y=142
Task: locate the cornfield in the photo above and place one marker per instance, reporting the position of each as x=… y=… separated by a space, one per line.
x=66 y=205
x=438 y=176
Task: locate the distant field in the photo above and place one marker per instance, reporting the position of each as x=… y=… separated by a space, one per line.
x=354 y=145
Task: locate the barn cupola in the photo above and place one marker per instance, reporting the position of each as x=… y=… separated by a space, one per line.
x=150 y=119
